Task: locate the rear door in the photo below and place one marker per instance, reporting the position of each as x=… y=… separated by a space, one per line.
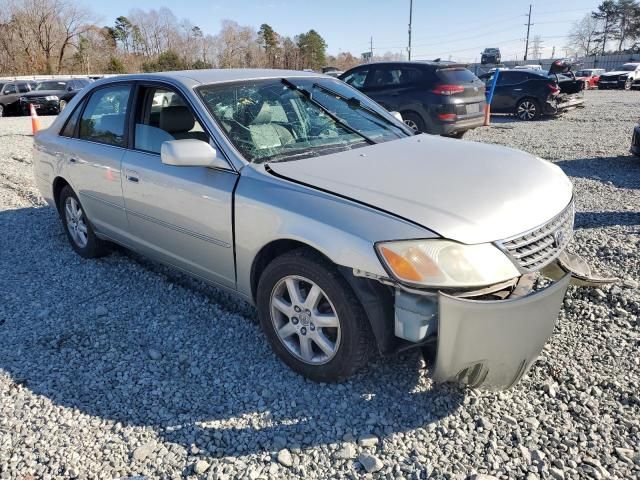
x=180 y=215
x=9 y=98
x=93 y=155
x=392 y=86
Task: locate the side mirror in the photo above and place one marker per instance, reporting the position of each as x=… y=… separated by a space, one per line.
x=398 y=116
x=190 y=153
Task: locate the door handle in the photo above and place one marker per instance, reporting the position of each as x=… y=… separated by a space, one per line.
x=132 y=176
x=517 y=89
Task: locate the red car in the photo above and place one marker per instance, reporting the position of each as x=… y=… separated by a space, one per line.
x=590 y=77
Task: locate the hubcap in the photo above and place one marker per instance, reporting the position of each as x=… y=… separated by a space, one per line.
x=305 y=320
x=527 y=110
x=75 y=222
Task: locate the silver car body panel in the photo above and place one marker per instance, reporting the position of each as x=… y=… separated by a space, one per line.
x=442 y=185
x=492 y=344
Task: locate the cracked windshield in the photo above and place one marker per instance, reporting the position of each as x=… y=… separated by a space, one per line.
x=280 y=120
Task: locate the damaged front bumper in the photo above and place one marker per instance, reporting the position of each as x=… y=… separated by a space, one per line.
x=490 y=343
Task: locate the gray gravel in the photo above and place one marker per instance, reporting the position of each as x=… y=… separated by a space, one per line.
x=121 y=368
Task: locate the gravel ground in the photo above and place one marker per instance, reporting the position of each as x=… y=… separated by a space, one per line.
x=119 y=367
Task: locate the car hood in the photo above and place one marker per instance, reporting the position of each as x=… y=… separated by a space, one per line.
x=619 y=72
x=465 y=191
x=43 y=93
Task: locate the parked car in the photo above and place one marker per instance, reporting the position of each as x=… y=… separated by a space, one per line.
x=436 y=97
x=624 y=77
x=307 y=199
x=530 y=94
x=52 y=96
x=590 y=76
x=490 y=56
x=10 y=93
x=635 y=140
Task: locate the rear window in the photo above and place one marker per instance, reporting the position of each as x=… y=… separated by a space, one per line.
x=456 y=75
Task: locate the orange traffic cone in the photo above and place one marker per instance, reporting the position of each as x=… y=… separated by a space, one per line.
x=35 y=121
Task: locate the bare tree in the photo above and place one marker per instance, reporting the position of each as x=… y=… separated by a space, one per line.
x=583 y=36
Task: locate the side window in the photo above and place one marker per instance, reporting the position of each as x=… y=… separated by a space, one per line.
x=384 y=77
x=23 y=87
x=9 y=89
x=163 y=115
x=70 y=127
x=105 y=116
x=357 y=78
x=410 y=76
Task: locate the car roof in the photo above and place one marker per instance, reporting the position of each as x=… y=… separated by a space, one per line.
x=194 y=77
x=416 y=63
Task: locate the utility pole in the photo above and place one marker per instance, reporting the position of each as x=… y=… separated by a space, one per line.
x=526 y=48
x=553 y=52
x=371 y=50
x=410 y=19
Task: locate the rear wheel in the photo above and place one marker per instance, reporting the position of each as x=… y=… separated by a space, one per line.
x=77 y=226
x=528 y=109
x=628 y=84
x=1 y=110
x=312 y=318
x=413 y=121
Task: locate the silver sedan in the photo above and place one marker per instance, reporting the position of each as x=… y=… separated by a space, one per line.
x=346 y=231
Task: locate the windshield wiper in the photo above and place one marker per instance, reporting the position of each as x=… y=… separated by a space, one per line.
x=354 y=102
x=332 y=116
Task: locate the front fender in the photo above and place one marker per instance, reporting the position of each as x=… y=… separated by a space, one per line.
x=269 y=209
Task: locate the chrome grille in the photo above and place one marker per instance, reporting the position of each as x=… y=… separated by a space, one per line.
x=540 y=246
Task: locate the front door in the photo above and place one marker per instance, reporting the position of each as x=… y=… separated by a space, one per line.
x=181 y=215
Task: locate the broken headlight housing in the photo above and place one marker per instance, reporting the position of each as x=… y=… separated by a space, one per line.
x=445 y=264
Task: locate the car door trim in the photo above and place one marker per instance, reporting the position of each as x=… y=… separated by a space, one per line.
x=178 y=229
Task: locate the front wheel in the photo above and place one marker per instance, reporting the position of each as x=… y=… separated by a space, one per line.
x=63 y=105
x=628 y=84
x=528 y=109
x=1 y=110
x=311 y=317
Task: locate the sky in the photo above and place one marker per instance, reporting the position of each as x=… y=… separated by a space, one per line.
x=456 y=29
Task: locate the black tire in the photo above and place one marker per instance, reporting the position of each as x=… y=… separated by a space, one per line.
x=528 y=109
x=94 y=247
x=456 y=134
x=356 y=339
x=2 y=112
x=414 y=122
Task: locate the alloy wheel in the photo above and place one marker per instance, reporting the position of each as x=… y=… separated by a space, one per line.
x=76 y=224
x=411 y=124
x=63 y=104
x=305 y=320
x=1 y=111
x=527 y=110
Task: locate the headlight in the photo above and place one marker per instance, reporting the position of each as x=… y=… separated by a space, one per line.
x=51 y=97
x=446 y=264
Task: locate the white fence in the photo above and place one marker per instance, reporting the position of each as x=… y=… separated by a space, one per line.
x=608 y=62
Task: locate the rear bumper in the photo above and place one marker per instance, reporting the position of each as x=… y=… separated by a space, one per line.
x=461 y=125
x=492 y=344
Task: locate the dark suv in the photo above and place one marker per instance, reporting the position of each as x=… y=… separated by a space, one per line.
x=490 y=56
x=441 y=98
x=10 y=93
x=52 y=96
